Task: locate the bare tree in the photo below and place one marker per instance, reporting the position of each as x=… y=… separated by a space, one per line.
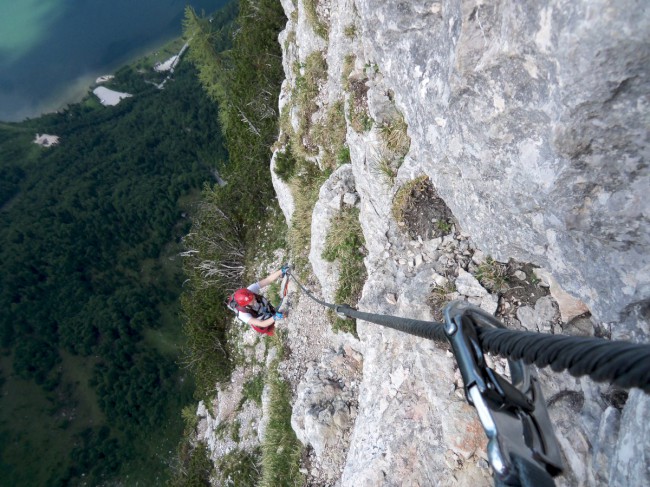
x=215 y=248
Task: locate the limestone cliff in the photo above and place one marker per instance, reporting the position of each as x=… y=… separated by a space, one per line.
x=529 y=121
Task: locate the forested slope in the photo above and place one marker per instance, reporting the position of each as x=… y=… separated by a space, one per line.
x=89 y=282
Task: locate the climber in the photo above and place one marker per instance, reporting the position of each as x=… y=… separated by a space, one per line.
x=253 y=308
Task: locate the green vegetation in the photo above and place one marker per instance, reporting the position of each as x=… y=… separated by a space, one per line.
x=235 y=429
x=285 y=164
x=273 y=293
x=311 y=11
x=396 y=144
x=90 y=280
x=345 y=243
x=239 y=468
x=304 y=98
x=350 y=31
x=343 y=156
x=405 y=196
x=195 y=468
x=444 y=226
x=394 y=136
x=492 y=275
x=253 y=390
x=245 y=82
x=330 y=135
x=281 y=450
x=440 y=296
x=348 y=67
x=386 y=166
x=360 y=119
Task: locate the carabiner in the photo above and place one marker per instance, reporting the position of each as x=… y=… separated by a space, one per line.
x=522 y=447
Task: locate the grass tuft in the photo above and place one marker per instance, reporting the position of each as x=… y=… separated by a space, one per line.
x=345 y=243
x=386 y=165
x=308 y=78
x=311 y=11
x=394 y=136
x=343 y=156
x=350 y=31
x=330 y=134
x=404 y=197
x=253 y=390
x=346 y=71
x=492 y=275
x=440 y=296
x=238 y=468
x=281 y=451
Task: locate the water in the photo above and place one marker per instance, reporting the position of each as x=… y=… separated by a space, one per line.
x=52 y=50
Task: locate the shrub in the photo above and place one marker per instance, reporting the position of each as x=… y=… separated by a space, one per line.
x=285 y=165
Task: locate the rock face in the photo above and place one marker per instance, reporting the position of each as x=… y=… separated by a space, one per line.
x=531 y=121
x=326 y=406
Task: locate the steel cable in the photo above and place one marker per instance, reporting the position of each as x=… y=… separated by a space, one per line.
x=624 y=364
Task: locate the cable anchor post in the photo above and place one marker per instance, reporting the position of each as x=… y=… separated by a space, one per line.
x=340 y=310
x=522 y=447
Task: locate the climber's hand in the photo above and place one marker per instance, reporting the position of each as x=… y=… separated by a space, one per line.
x=285 y=269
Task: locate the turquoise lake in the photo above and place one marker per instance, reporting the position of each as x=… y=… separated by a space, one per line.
x=52 y=50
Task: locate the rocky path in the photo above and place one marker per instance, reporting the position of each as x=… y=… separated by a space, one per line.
x=324 y=369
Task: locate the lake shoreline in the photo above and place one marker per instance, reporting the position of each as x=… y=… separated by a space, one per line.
x=81 y=88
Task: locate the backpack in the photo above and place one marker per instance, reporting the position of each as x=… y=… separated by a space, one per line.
x=266 y=312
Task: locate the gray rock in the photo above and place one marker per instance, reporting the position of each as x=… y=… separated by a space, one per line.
x=350 y=199
x=391 y=298
x=478 y=257
x=468 y=285
x=579 y=327
x=285 y=199
x=630 y=460
x=570 y=306
x=520 y=275
x=323 y=409
x=533 y=164
x=531 y=121
x=540 y=317
x=605 y=445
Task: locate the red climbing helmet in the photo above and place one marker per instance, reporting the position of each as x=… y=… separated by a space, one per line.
x=244 y=297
